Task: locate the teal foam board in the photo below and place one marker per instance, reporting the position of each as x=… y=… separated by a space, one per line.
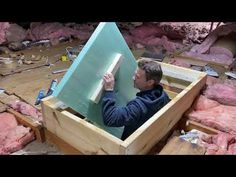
x=87 y=70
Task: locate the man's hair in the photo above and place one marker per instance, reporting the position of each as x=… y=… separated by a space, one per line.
x=152 y=69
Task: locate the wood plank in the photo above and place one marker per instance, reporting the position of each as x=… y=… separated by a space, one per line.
x=112 y=69
x=93 y=61
x=220 y=69
x=60 y=144
x=79 y=133
x=173 y=82
x=181 y=73
x=36 y=127
x=178 y=146
x=7 y=99
x=208 y=62
x=191 y=61
x=146 y=136
x=195 y=125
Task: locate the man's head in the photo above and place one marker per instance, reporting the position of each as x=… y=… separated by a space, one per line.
x=147 y=75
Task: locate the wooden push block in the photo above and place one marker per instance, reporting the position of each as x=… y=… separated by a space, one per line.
x=112 y=69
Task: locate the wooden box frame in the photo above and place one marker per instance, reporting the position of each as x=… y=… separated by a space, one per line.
x=89 y=139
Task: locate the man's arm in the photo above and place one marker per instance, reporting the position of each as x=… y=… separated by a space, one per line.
x=119 y=116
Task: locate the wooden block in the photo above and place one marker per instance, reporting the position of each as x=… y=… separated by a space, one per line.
x=112 y=69
x=178 y=146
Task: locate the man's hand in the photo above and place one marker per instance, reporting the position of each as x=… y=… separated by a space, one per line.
x=109 y=82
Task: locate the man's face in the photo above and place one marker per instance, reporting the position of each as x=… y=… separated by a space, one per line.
x=140 y=81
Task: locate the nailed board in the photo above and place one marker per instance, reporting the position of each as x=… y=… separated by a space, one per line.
x=83 y=77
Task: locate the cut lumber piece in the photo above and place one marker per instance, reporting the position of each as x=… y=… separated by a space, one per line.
x=195 y=125
x=178 y=146
x=112 y=69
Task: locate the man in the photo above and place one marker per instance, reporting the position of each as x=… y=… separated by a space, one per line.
x=149 y=100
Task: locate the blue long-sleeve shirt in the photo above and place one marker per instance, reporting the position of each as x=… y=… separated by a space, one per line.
x=136 y=112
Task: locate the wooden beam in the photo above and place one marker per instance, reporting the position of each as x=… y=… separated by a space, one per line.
x=178 y=146
x=181 y=73
x=112 y=69
x=61 y=144
x=195 y=125
x=80 y=134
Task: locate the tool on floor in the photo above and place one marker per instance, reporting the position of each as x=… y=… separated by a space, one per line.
x=52 y=87
x=210 y=71
x=231 y=74
x=59 y=71
x=42 y=95
x=64 y=58
x=72 y=53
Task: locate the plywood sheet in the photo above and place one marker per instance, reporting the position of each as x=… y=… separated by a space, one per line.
x=85 y=74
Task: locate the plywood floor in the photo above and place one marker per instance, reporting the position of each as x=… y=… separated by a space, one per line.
x=26 y=84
